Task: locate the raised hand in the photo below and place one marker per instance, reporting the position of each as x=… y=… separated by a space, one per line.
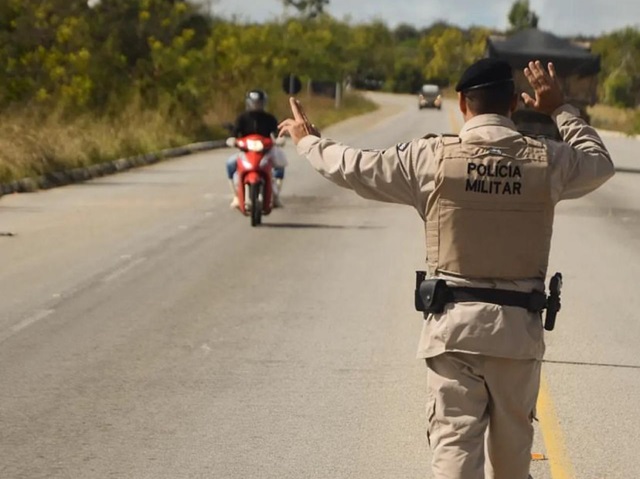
x=546 y=86
x=298 y=127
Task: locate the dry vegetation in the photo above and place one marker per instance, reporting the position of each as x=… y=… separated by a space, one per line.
x=626 y=120
x=31 y=145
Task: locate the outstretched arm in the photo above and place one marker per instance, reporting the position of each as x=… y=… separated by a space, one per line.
x=400 y=174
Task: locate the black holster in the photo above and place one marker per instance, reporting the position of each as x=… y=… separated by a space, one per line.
x=553 y=301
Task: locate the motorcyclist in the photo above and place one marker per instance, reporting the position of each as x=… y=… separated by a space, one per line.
x=255 y=120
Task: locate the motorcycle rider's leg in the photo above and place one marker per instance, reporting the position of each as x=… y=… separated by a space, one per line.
x=232 y=166
x=235 y=202
x=279 y=164
x=278 y=174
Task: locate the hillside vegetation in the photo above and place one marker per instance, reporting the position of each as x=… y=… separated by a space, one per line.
x=82 y=84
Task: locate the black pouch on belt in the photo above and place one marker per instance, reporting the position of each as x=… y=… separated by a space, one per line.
x=430 y=294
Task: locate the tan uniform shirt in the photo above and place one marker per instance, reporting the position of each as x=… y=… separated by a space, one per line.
x=405 y=174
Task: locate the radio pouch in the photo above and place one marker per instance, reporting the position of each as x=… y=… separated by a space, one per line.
x=431 y=296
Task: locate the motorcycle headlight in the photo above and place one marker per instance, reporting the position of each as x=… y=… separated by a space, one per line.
x=255 y=145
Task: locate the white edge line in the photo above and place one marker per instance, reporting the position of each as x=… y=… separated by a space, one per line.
x=120 y=271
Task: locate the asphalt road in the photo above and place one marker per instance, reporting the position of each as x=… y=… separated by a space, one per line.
x=147 y=331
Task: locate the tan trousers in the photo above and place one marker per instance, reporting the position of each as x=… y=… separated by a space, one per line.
x=473 y=398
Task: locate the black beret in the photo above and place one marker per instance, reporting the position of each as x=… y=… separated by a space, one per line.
x=485 y=73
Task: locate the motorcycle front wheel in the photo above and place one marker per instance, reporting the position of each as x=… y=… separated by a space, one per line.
x=256 y=206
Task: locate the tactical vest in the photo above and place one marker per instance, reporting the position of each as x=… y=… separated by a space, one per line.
x=491 y=212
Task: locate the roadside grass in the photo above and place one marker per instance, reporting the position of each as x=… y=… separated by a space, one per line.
x=625 y=120
x=32 y=144
x=322 y=110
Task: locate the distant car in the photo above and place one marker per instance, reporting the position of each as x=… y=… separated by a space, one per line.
x=430 y=96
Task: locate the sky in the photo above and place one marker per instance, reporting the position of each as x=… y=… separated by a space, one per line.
x=561 y=17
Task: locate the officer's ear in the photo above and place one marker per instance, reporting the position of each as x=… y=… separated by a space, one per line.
x=462 y=103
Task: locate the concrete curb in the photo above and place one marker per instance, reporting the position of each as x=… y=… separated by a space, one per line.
x=78 y=175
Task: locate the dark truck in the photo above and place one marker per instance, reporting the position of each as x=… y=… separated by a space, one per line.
x=575 y=65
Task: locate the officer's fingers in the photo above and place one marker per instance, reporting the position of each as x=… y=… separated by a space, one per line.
x=302 y=112
x=546 y=78
x=283 y=123
x=553 y=74
x=540 y=73
x=298 y=111
x=295 y=109
x=530 y=77
x=539 y=81
x=285 y=127
x=528 y=101
x=538 y=70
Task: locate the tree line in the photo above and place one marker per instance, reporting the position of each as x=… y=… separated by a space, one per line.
x=64 y=55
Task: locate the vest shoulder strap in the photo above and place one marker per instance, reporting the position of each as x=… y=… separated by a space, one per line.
x=428 y=136
x=450 y=140
x=535 y=141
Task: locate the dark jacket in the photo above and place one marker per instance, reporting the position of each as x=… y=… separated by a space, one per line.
x=255 y=122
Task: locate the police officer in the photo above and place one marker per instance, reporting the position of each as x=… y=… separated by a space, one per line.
x=487 y=198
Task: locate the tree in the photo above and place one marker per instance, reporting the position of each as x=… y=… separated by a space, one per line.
x=620 y=59
x=405 y=32
x=308 y=8
x=43 y=53
x=521 y=16
x=134 y=44
x=407 y=76
x=373 y=47
x=448 y=51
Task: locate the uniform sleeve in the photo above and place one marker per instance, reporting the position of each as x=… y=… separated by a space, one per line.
x=401 y=174
x=583 y=160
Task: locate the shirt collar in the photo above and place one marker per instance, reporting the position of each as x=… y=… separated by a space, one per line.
x=482 y=121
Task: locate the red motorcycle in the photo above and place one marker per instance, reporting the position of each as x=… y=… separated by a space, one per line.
x=254 y=175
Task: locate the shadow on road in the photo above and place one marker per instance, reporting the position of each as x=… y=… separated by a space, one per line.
x=318 y=226
x=601 y=365
x=628 y=170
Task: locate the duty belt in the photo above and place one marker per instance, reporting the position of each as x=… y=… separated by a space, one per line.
x=534 y=301
x=432 y=295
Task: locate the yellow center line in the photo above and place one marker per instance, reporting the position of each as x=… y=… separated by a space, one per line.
x=552 y=435
x=561 y=467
